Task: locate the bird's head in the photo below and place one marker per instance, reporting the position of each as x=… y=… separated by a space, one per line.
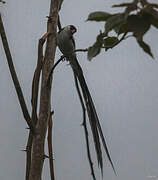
x=72 y=29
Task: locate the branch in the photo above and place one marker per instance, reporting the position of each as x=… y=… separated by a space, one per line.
x=28 y=155
x=45 y=95
x=52 y=70
x=50 y=148
x=81 y=50
x=121 y=39
x=61 y=58
x=34 y=99
x=36 y=77
x=14 y=77
x=85 y=127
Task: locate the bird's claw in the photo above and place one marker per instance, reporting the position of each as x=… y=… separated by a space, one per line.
x=63 y=58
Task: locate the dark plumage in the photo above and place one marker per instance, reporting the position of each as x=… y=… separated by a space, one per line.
x=66 y=44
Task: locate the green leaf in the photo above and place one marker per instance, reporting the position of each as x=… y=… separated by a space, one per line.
x=114 y=21
x=98 y=16
x=93 y=51
x=99 y=40
x=137 y=24
x=122 y=28
x=145 y=47
x=96 y=48
x=1 y=1
x=110 y=42
x=129 y=6
x=154 y=22
x=153 y=16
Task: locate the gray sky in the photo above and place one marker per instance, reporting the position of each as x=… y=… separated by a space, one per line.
x=122 y=81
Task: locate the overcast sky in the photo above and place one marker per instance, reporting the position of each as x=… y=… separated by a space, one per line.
x=123 y=83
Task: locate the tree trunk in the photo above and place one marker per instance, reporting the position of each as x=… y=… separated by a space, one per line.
x=38 y=154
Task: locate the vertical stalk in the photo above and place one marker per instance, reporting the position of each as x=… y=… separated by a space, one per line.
x=44 y=113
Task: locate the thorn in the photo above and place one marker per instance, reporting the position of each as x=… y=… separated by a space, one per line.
x=49 y=18
x=24 y=150
x=82 y=124
x=52 y=113
x=45 y=156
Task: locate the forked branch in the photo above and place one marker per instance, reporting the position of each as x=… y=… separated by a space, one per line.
x=34 y=99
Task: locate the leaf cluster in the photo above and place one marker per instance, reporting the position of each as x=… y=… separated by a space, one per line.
x=1 y=1
x=135 y=21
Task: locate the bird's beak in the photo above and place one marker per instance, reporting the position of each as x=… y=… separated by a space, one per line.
x=73 y=31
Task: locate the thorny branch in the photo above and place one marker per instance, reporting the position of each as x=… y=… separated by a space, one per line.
x=45 y=95
x=36 y=77
x=34 y=99
x=14 y=77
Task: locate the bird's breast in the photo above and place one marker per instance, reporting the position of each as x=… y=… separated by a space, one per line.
x=65 y=44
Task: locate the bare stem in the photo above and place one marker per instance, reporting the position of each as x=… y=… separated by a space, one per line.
x=34 y=98
x=50 y=147
x=14 y=77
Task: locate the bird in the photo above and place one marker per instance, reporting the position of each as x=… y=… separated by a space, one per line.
x=66 y=44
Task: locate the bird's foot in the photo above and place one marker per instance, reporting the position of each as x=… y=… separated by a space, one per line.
x=63 y=58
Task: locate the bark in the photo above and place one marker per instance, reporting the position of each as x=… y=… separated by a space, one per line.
x=34 y=100
x=44 y=113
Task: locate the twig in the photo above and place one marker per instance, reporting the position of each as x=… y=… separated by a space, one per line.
x=121 y=39
x=85 y=127
x=51 y=72
x=81 y=50
x=115 y=44
x=59 y=23
x=50 y=148
x=61 y=58
x=14 y=77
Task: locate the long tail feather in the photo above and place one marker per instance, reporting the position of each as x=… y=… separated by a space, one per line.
x=92 y=114
x=84 y=123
